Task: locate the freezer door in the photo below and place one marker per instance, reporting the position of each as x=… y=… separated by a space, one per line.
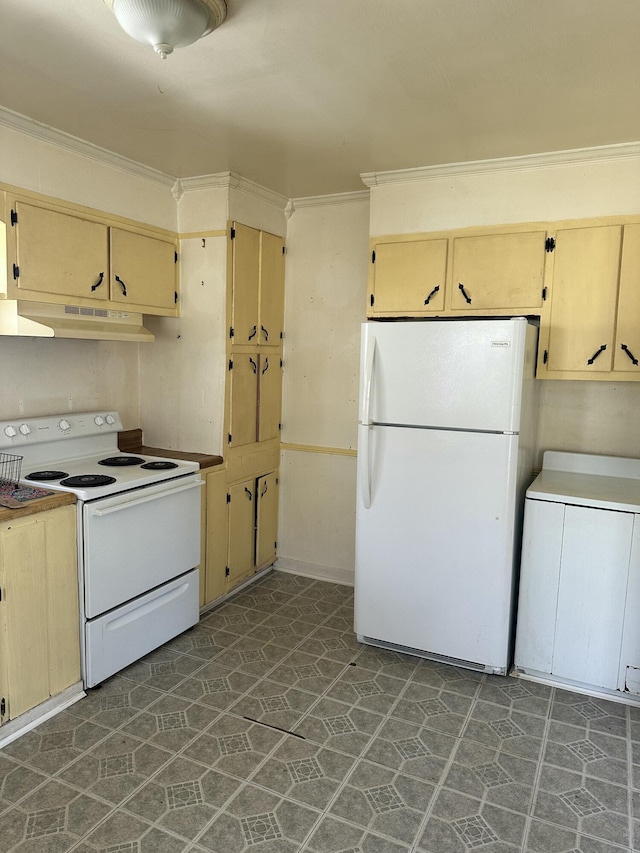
x=435 y=548
x=460 y=374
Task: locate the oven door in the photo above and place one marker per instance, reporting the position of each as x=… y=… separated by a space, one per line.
x=137 y=540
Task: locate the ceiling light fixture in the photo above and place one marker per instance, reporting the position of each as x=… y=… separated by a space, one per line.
x=165 y=24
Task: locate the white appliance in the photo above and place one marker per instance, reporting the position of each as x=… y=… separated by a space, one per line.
x=138 y=533
x=580 y=579
x=445 y=452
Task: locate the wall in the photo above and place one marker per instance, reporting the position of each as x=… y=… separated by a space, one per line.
x=325 y=291
x=587 y=417
x=45 y=376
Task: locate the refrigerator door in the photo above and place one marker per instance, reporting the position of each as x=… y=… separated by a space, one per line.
x=435 y=549
x=460 y=374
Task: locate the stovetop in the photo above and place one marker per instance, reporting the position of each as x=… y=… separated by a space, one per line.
x=77 y=446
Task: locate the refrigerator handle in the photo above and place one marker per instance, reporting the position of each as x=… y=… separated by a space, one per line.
x=364 y=475
x=367 y=381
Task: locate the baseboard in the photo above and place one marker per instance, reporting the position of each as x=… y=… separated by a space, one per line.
x=30 y=719
x=315 y=571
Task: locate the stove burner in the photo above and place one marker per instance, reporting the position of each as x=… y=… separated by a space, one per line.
x=121 y=461
x=88 y=480
x=159 y=465
x=46 y=475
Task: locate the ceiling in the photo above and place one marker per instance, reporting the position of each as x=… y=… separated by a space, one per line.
x=302 y=96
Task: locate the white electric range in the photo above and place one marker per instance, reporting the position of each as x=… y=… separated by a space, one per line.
x=138 y=533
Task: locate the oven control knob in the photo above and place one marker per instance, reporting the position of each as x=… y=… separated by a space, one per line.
x=10 y=432
x=110 y=420
x=25 y=429
x=98 y=420
x=64 y=425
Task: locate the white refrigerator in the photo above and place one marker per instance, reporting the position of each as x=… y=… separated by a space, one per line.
x=445 y=454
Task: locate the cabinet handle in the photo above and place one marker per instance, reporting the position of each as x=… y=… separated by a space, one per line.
x=596 y=354
x=253 y=333
x=265 y=333
x=432 y=294
x=626 y=349
x=249 y=495
x=98 y=282
x=464 y=293
x=122 y=285
x=266 y=366
x=264 y=491
x=254 y=365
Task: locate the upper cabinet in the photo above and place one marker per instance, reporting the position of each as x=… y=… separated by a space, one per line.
x=591 y=326
x=497 y=272
x=257 y=291
x=143 y=270
x=457 y=273
x=58 y=252
x=407 y=277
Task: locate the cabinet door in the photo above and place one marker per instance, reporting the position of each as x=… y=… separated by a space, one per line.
x=271 y=296
x=245 y=285
x=24 y=613
x=243 y=399
x=242 y=520
x=627 y=351
x=62 y=599
x=217 y=531
x=267 y=519
x=61 y=254
x=269 y=397
x=498 y=271
x=596 y=548
x=583 y=299
x=408 y=277
x=143 y=270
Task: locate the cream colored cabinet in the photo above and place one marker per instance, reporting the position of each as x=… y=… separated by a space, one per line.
x=590 y=329
x=59 y=252
x=241 y=499
x=252 y=525
x=266 y=519
x=39 y=613
x=407 y=277
x=143 y=270
x=627 y=345
x=257 y=288
x=255 y=397
x=498 y=272
x=215 y=533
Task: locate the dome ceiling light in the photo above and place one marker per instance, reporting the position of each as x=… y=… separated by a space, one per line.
x=166 y=24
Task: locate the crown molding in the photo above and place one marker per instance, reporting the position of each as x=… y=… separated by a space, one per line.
x=323 y=200
x=229 y=180
x=571 y=157
x=67 y=142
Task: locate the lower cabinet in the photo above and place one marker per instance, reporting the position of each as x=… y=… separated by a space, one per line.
x=240 y=529
x=39 y=613
x=253 y=526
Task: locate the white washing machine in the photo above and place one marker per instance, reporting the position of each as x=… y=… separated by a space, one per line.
x=578 y=619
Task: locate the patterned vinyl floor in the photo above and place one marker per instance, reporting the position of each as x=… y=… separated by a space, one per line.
x=269 y=729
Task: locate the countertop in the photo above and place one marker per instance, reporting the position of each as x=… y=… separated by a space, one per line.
x=52 y=501
x=131 y=441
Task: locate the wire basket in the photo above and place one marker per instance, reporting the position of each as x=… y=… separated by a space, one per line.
x=10 y=468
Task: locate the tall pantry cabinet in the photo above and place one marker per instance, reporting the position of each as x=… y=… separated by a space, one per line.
x=247 y=507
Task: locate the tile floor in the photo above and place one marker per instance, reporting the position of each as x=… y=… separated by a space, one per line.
x=268 y=728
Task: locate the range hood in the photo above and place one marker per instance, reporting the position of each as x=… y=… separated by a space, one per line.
x=22 y=318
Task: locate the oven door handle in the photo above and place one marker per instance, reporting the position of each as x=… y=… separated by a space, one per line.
x=153 y=497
